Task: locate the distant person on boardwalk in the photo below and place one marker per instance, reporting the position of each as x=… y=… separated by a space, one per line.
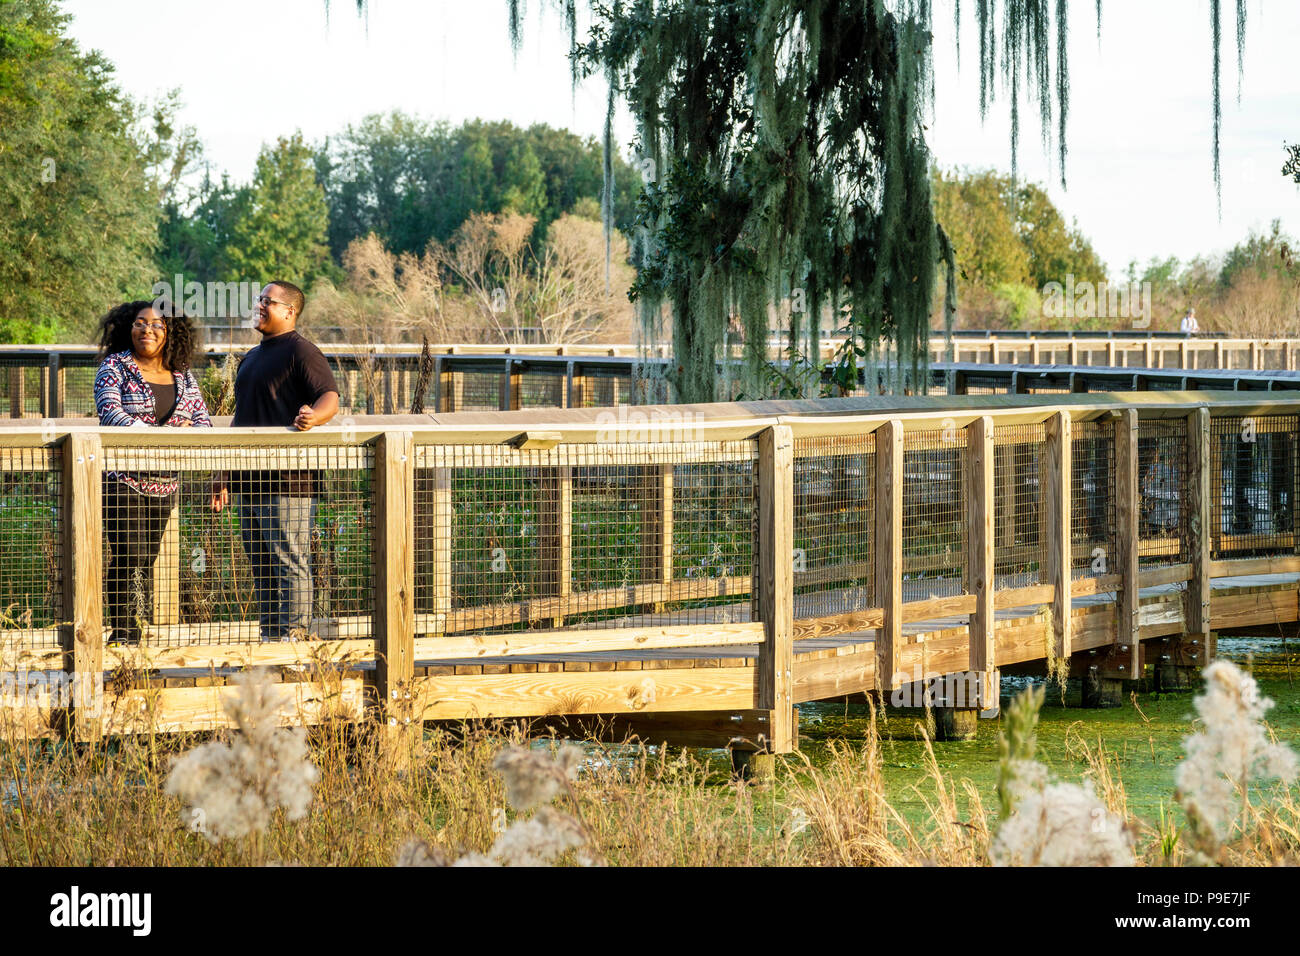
x=286 y=382
x=1189 y=325
x=144 y=379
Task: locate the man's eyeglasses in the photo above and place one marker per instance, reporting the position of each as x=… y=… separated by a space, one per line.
x=267 y=300
x=141 y=324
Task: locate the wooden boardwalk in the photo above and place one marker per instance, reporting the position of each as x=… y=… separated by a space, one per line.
x=902 y=510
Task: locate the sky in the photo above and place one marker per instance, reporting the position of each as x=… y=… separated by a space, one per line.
x=1139 y=168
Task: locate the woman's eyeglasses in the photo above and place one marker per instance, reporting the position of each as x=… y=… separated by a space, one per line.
x=142 y=325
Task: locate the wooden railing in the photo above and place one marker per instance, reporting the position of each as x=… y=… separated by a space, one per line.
x=768 y=555
x=57 y=380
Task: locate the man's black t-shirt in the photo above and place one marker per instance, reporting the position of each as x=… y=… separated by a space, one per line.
x=277 y=378
x=274 y=381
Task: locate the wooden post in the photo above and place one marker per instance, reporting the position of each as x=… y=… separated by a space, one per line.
x=404 y=395
x=1128 y=526
x=569 y=395
x=1035 y=357
x=394 y=594
x=388 y=384
x=774 y=584
x=1073 y=352
x=657 y=532
x=889 y=553
x=515 y=373
x=1110 y=352
x=1058 y=570
x=17 y=398
x=556 y=535
x=82 y=627
x=504 y=389
x=451 y=389
x=439 y=385
x=1255 y=356
x=353 y=377
x=980 y=550
x=167 y=570
x=1196 y=610
x=1219 y=355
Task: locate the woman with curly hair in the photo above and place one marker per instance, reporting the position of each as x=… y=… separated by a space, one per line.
x=144 y=379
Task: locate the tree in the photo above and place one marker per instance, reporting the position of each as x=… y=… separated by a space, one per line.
x=787 y=149
x=282 y=229
x=975 y=211
x=556 y=287
x=1055 y=249
x=409 y=181
x=80 y=204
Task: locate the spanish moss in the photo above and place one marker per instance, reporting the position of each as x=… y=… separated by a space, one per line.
x=1216 y=111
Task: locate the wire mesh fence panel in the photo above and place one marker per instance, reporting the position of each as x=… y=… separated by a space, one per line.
x=78 y=392
x=601 y=535
x=287 y=556
x=834 y=514
x=1018 y=486
x=20 y=389
x=473 y=390
x=31 y=524
x=354 y=380
x=1240 y=358
x=1168 y=358
x=1093 y=530
x=985 y=385
x=934 y=513
x=603 y=390
x=542 y=389
x=1254 y=478
x=1134 y=358
x=1164 y=506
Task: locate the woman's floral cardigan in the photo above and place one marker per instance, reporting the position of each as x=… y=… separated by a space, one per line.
x=124 y=398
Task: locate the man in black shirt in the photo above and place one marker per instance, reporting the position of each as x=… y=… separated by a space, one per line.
x=285 y=381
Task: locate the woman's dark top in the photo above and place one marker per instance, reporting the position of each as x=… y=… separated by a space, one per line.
x=164 y=400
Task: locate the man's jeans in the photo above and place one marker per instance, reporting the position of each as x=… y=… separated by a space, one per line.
x=276 y=531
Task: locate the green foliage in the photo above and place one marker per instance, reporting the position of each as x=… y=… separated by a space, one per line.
x=1009 y=239
x=975 y=210
x=783 y=151
x=1292 y=165
x=281 y=223
x=409 y=181
x=1264 y=255
x=80 y=203
x=1022 y=303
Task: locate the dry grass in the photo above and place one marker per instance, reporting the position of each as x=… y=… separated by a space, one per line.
x=442 y=799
